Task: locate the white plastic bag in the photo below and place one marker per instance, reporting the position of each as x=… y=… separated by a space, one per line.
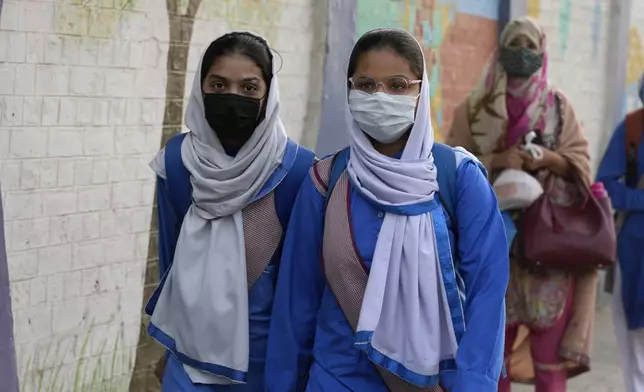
x=516 y=189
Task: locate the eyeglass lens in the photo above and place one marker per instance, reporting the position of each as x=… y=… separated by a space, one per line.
x=394 y=86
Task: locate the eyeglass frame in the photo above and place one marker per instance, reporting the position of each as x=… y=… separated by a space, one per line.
x=410 y=83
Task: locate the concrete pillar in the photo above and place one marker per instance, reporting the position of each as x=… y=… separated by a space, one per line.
x=341 y=30
x=510 y=9
x=618 y=32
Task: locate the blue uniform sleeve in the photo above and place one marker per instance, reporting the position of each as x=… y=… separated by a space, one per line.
x=168 y=225
x=611 y=171
x=300 y=285
x=485 y=269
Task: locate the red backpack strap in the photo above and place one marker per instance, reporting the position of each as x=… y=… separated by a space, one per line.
x=634 y=125
x=320 y=173
x=634 y=129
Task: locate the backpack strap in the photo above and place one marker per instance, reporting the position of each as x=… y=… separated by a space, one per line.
x=177 y=177
x=445 y=161
x=338 y=166
x=287 y=190
x=634 y=125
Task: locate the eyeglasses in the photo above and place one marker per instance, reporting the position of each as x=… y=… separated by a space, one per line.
x=394 y=86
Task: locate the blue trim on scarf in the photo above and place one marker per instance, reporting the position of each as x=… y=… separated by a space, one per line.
x=407 y=210
x=363 y=339
x=448 y=273
x=236 y=376
x=363 y=342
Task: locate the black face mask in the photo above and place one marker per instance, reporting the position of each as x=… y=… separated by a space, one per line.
x=521 y=63
x=233 y=118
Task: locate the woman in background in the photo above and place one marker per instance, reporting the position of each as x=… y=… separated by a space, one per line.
x=512 y=99
x=225 y=193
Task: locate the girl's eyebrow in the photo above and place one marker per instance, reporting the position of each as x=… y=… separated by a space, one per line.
x=387 y=77
x=220 y=77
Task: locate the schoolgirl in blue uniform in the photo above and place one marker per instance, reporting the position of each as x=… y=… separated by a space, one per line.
x=395 y=263
x=225 y=194
x=622 y=172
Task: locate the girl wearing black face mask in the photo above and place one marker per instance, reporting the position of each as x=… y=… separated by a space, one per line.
x=235 y=87
x=225 y=192
x=513 y=99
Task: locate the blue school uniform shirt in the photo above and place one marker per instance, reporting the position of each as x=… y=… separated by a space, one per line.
x=630 y=241
x=311 y=344
x=297 y=160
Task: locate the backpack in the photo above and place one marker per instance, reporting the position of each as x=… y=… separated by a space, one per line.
x=445 y=161
x=178 y=179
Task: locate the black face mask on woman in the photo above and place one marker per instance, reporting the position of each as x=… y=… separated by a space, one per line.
x=233 y=118
x=521 y=63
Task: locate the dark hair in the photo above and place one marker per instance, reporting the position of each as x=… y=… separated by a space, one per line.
x=397 y=40
x=247 y=44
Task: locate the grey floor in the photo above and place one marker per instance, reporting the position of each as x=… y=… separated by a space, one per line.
x=605 y=375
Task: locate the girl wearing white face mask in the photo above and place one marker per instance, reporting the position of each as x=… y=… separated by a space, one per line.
x=394 y=266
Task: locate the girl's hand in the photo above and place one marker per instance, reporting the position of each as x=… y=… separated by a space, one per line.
x=532 y=164
x=512 y=158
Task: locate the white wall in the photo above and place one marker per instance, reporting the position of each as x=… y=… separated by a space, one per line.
x=578 y=39
x=635 y=55
x=82 y=92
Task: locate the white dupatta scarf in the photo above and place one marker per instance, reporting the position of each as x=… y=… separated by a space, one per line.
x=405 y=315
x=203 y=306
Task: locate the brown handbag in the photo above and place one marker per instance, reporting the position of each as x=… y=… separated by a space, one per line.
x=576 y=237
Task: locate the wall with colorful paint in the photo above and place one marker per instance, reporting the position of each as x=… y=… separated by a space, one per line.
x=635 y=62
x=458 y=37
x=87 y=94
x=578 y=38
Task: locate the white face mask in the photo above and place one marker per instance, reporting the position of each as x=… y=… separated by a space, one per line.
x=382 y=116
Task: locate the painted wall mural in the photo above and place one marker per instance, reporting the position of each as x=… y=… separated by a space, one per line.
x=458 y=37
x=534 y=8
x=635 y=67
x=564 y=24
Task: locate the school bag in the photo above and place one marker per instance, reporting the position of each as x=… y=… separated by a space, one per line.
x=178 y=180
x=180 y=194
x=445 y=161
